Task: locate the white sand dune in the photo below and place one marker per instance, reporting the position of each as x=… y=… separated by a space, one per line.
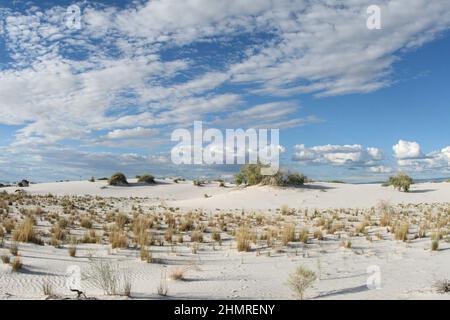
x=408 y=269
x=314 y=195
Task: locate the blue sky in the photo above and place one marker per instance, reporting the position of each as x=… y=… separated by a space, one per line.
x=351 y=103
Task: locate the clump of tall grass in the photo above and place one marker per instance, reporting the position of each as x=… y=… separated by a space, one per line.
x=118 y=179
x=244 y=237
x=118 y=239
x=288 y=234
x=16 y=264
x=26 y=232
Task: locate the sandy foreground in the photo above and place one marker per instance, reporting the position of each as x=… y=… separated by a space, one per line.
x=214 y=269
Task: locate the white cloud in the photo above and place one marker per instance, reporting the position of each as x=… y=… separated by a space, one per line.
x=436 y=160
x=407 y=150
x=338 y=155
x=137 y=132
x=380 y=169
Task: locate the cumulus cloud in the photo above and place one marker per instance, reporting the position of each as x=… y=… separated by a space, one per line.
x=338 y=155
x=436 y=160
x=142 y=65
x=407 y=150
x=137 y=132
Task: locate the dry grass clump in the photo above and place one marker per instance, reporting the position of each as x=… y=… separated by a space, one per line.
x=244 y=238
x=301 y=280
x=304 y=235
x=318 y=234
x=197 y=236
x=442 y=286
x=5 y=259
x=118 y=239
x=216 y=235
x=9 y=225
x=435 y=245
x=16 y=264
x=178 y=274
x=86 y=222
x=146 y=178
x=26 y=232
x=401 y=231
x=288 y=234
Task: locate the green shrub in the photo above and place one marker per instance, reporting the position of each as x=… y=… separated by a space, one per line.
x=400 y=182
x=118 y=179
x=250 y=175
x=146 y=178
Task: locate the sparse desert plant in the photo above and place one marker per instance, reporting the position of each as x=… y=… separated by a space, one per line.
x=442 y=286
x=301 y=280
x=285 y=210
x=118 y=239
x=178 y=273
x=400 y=182
x=318 y=234
x=86 y=222
x=26 y=232
x=72 y=250
x=146 y=178
x=198 y=183
x=118 y=179
x=16 y=264
x=304 y=235
x=9 y=225
x=108 y=277
x=197 y=236
x=163 y=288
x=401 y=231
x=435 y=245
x=47 y=288
x=5 y=259
x=295 y=179
x=14 y=249
x=244 y=238
x=288 y=234
x=216 y=235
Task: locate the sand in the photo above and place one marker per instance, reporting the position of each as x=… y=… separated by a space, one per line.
x=408 y=270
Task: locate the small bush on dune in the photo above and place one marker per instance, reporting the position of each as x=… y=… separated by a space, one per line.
x=5 y=259
x=146 y=178
x=300 y=280
x=400 y=182
x=250 y=175
x=118 y=239
x=118 y=179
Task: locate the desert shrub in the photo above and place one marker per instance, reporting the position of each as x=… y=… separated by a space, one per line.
x=146 y=178
x=26 y=232
x=118 y=179
x=92 y=179
x=47 y=288
x=118 y=239
x=16 y=264
x=304 y=235
x=14 y=249
x=121 y=220
x=178 y=274
x=318 y=234
x=435 y=245
x=109 y=277
x=400 y=182
x=401 y=231
x=86 y=223
x=72 y=250
x=244 y=237
x=250 y=174
x=163 y=288
x=442 y=286
x=5 y=259
x=9 y=225
x=288 y=234
x=300 y=280
x=197 y=236
x=216 y=235
x=295 y=179
x=198 y=183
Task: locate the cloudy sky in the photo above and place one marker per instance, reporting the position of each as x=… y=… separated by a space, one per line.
x=88 y=94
